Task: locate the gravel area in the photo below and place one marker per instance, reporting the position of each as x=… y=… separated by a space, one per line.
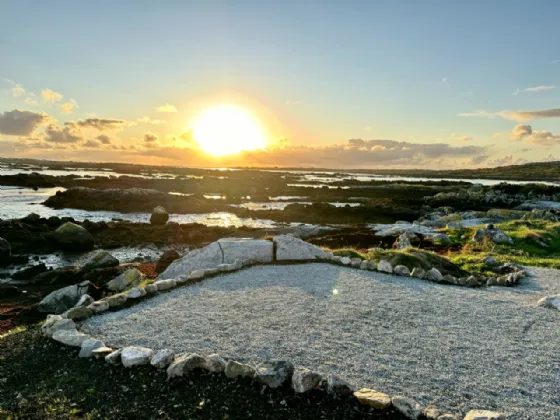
x=457 y=348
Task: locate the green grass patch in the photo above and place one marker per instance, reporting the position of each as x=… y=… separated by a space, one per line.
x=13 y=331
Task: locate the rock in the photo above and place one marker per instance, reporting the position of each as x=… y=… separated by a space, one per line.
x=432 y=413
x=215 y=363
x=484 y=415
x=85 y=300
x=62 y=299
x=385 y=266
x=199 y=259
x=274 y=373
x=130 y=278
x=99 y=306
x=513 y=278
x=491 y=261
x=454 y=225
x=5 y=251
x=249 y=251
x=441 y=239
x=235 y=369
x=448 y=278
x=70 y=337
x=88 y=346
x=401 y=270
x=79 y=313
x=418 y=273
x=136 y=293
x=472 y=281
x=101 y=352
x=71 y=237
x=338 y=387
x=165 y=284
x=57 y=324
x=184 y=364
x=552 y=302
x=162 y=358
x=167 y=258
x=116 y=300
x=114 y=358
x=373 y=398
x=402 y=241
x=447 y=416
x=151 y=289
x=29 y=272
x=289 y=248
x=159 y=216
x=497 y=236
x=364 y=265
x=136 y=356
x=101 y=260
x=345 y=261
x=492 y=281
x=372 y=265
x=304 y=380
x=355 y=262
x=409 y=408
x=434 y=274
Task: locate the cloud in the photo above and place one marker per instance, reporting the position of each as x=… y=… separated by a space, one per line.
x=503 y=161
x=51 y=96
x=478 y=113
x=514 y=115
x=150 y=139
x=21 y=123
x=148 y=120
x=477 y=160
x=16 y=90
x=92 y=143
x=540 y=88
x=167 y=108
x=68 y=107
x=101 y=124
x=540 y=137
x=104 y=139
x=464 y=139
x=67 y=134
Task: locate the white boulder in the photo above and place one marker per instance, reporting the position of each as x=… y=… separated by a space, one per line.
x=385 y=267
x=304 y=380
x=550 y=302
x=289 y=248
x=130 y=278
x=136 y=356
x=70 y=337
x=89 y=345
x=249 y=251
x=162 y=358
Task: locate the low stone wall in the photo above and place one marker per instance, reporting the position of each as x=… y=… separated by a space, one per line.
x=227 y=256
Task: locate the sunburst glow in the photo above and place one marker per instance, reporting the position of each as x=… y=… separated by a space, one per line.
x=226 y=130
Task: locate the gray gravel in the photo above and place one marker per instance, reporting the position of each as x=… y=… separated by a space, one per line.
x=454 y=347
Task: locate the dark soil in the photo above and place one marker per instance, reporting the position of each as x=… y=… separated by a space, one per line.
x=40 y=379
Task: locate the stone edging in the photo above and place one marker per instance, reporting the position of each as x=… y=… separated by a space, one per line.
x=274 y=374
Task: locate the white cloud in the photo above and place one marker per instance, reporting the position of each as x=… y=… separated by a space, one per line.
x=540 y=137
x=456 y=137
x=69 y=106
x=540 y=88
x=167 y=108
x=478 y=113
x=514 y=115
x=50 y=96
x=148 y=120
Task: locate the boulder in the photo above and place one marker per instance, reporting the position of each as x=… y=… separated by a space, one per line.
x=497 y=236
x=385 y=266
x=441 y=239
x=159 y=216
x=165 y=284
x=418 y=273
x=116 y=300
x=79 y=313
x=235 y=369
x=373 y=398
x=136 y=356
x=162 y=358
x=130 y=278
x=304 y=380
x=57 y=323
x=88 y=346
x=71 y=237
x=484 y=415
x=29 y=272
x=85 y=300
x=101 y=260
x=167 y=258
x=114 y=358
x=249 y=251
x=337 y=387
x=5 y=251
x=434 y=274
x=402 y=241
x=401 y=270
x=345 y=261
x=70 y=337
x=215 y=363
x=289 y=248
x=101 y=352
x=355 y=262
x=364 y=265
x=552 y=302
x=491 y=261
x=407 y=407
x=136 y=293
x=274 y=373
x=150 y=289
x=184 y=364
x=99 y=306
x=199 y=259
x=62 y=299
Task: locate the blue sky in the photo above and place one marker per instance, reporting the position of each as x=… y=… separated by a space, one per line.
x=316 y=73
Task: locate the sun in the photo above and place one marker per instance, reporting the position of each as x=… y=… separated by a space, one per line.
x=227 y=130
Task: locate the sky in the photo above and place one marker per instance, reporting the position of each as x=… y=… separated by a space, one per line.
x=339 y=84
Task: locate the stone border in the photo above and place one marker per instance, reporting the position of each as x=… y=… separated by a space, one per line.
x=274 y=374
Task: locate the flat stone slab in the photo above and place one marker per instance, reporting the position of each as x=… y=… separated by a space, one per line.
x=456 y=348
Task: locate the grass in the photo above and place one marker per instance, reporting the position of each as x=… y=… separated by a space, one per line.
x=13 y=331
